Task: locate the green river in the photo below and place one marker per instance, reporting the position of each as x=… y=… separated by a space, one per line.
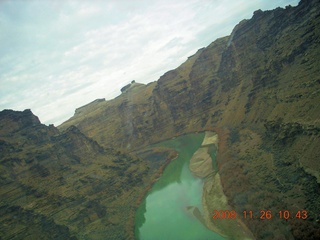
x=163 y=214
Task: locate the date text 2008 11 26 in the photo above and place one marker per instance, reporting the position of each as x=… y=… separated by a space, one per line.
x=262 y=215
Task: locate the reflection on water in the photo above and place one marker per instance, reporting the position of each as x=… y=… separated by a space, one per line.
x=165 y=213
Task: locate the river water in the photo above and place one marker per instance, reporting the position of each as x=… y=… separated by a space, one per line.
x=164 y=212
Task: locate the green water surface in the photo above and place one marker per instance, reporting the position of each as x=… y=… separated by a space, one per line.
x=163 y=213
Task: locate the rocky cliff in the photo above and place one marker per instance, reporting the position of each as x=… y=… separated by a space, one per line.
x=260 y=87
x=266 y=70
x=65 y=185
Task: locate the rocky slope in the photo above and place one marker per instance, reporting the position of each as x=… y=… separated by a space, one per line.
x=259 y=87
x=64 y=185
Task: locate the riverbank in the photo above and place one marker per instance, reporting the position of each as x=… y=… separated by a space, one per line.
x=170 y=207
x=203 y=165
x=153 y=179
x=213 y=197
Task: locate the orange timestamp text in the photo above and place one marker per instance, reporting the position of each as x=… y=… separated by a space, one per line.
x=262 y=214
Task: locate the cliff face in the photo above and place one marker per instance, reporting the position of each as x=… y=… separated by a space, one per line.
x=64 y=185
x=261 y=87
x=267 y=66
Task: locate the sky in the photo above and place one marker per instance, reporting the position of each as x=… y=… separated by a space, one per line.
x=58 y=55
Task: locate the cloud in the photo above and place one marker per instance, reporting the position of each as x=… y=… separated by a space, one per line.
x=59 y=55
